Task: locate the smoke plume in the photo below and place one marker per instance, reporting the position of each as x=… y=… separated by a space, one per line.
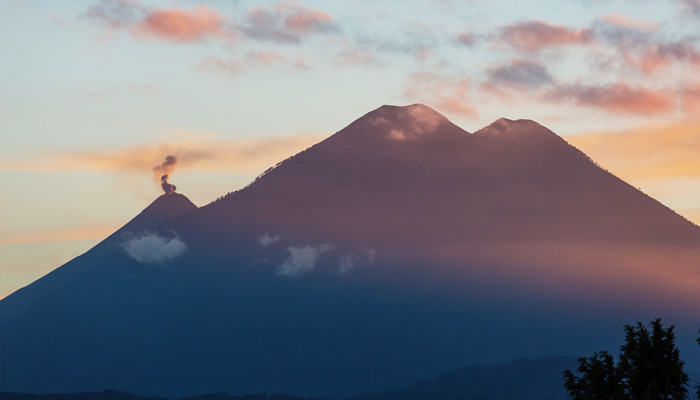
x=163 y=171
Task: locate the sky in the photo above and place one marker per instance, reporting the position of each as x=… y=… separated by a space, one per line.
x=95 y=93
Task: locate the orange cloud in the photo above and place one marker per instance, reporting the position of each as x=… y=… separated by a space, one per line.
x=61 y=234
x=618 y=98
x=534 y=36
x=449 y=95
x=237 y=154
x=646 y=152
x=180 y=25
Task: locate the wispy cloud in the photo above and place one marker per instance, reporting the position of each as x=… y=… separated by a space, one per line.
x=115 y=14
x=302 y=260
x=349 y=261
x=285 y=22
x=617 y=98
x=266 y=239
x=152 y=248
x=519 y=74
x=448 y=94
x=535 y=36
x=253 y=60
x=64 y=234
x=196 y=153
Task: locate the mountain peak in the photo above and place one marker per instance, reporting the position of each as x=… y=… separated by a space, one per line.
x=163 y=208
x=505 y=126
x=405 y=123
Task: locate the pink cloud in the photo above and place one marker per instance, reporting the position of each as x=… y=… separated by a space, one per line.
x=446 y=94
x=178 y=25
x=285 y=22
x=617 y=98
x=534 y=36
x=630 y=23
x=660 y=56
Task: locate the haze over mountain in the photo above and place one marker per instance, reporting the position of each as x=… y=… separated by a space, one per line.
x=396 y=249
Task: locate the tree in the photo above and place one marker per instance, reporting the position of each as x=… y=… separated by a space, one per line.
x=698 y=387
x=648 y=368
x=599 y=379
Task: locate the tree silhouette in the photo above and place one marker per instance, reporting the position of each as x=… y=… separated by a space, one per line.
x=648 y=368
x=698 y=387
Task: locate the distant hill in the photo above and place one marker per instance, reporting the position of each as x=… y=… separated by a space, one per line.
x=521 y=379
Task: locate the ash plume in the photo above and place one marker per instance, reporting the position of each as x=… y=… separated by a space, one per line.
x=163 y=171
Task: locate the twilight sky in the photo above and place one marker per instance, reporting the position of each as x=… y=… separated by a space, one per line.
x=95 y=93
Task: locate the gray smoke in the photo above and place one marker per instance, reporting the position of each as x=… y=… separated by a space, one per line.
x=164 y=170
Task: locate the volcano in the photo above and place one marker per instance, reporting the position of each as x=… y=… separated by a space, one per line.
x=398 y=248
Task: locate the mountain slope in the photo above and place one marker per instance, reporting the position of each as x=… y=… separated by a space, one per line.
x=162 y=209
x=398 y=248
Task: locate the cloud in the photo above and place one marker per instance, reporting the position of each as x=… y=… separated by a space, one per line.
x=660 y=56
x=177 y=25
x=690 y=96
x=616 y=98
x=195 y=152
x=253 y=60
x=535 y=36
x=625 y=21
x=348 y=262
x=447 y=94
x=67 y=234
x=354 y=55
x=302 y=260
x=691 y=6
x=519 y=74
x=266 y=239
x=635 y=45
x=466 y=39
x=151 y=248
x=285 y=22
x=115 y=14
x=651 y=151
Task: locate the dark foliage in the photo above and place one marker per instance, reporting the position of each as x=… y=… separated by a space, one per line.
x=649 y=368
x=599 y=379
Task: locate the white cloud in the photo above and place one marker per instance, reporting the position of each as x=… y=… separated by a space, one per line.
x=302 y=260
x=348 y=262
x=151 y=248
x=266 y=239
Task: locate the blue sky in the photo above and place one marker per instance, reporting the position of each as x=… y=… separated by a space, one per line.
x=94 y=93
